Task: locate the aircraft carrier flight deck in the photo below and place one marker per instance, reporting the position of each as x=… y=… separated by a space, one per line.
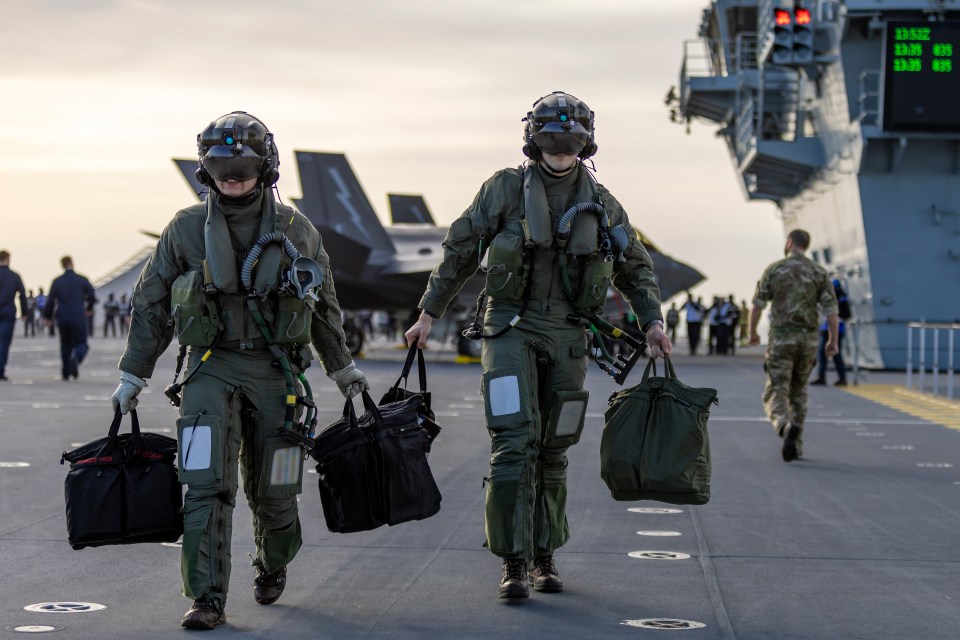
x=856 y=540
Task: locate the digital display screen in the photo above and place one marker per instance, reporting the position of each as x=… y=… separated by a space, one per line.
x=921 y=76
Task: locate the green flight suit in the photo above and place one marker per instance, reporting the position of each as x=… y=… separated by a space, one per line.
x=799 y=290
x=231 y=409
x=533 y=374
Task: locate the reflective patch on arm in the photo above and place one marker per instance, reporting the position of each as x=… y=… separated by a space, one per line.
x=196 y=447
x=504 y=396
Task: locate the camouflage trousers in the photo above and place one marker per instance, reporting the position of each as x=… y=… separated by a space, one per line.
x=535 y=407
x=789 y=360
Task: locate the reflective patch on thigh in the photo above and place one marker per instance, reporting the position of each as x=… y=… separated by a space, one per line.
x=196 y=447
x=504 y=395
x=571 y=417
x=285 y=467
x=566 y=419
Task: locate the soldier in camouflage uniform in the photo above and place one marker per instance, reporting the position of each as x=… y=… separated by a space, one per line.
x=796 y=286
x=534 y=359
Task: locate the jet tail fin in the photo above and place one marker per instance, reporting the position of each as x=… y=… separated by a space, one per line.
x=409 y=209
x=333 y=198
x=188 y=168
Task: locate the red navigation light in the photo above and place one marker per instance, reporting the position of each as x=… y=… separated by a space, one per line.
x=803 y=16
x=781 y=17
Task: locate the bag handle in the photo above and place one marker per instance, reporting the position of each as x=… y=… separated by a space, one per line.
x=408 y=365
x=371 y=407
x=114 y=431
x=646 y=372
x=670 y=372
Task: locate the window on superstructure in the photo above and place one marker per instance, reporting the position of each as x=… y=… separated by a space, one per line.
x=826 y=256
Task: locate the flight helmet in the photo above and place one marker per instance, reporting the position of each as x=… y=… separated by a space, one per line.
x=237 y=146
x=559 y=123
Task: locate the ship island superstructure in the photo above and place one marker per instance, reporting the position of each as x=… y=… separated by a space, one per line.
x=847 y=116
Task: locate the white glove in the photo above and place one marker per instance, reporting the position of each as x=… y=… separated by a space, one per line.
x=125 y=397
x=350 y=380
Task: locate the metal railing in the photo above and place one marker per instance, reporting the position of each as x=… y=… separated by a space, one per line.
x=922 y=329
x=868 y=98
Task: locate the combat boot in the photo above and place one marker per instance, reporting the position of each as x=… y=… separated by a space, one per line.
x=544 y=576
x=206 y=613
x=513 y=579
x=267 y=587
x=790 y=434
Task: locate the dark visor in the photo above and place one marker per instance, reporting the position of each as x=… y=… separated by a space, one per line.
x=227 y=163
x=568 y=143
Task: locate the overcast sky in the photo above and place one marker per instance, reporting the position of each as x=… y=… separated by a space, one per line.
x=424 y=96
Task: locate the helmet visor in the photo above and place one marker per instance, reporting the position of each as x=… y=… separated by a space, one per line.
x=556 y=144
x=562 y=138
x=229 y=163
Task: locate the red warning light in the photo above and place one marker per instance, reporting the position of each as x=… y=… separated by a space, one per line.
x=781 y=17
x=803 y=16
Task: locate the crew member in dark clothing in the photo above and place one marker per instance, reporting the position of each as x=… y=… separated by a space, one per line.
x=69 y=296
x=10 y=286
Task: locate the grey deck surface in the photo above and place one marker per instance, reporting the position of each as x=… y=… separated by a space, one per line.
x=855 y=541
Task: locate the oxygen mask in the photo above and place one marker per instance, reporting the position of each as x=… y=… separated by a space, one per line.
x=303 y=278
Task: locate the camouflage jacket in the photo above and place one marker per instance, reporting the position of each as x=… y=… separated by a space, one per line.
x=799 y=290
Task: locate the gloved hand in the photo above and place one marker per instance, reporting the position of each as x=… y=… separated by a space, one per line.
x=350 y=380
x=125 y=397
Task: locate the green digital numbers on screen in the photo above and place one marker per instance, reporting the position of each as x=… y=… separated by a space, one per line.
x=943 y=50
x=942 y=65
x=921 y=34
x=907 y=64
x=909 y=49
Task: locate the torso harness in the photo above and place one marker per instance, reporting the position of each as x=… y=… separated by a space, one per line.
x=611 y=246
x=301 y=280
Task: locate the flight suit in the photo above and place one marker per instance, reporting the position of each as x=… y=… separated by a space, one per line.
x=796 y=287
x=231 y=410
x=533 y=374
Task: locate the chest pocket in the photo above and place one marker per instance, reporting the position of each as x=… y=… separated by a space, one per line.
x=294 y=316
x=595 y=279
x=506 y=274
x=194 y=313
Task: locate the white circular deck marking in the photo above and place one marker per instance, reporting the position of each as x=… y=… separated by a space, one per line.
x=898 y=447
x=14 y=465
x=33 y=628
x=661 y=534
x=869 y=434
x=461 y=405
x=313 y=471
x=176 y=545
x=935 y=465
x=659 y=555
x=64 y=607
x=46 y=405
x=159 y=430
x=671 y=624
x=653 y=510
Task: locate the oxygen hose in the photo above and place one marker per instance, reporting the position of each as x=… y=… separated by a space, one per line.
x=562 y=235
x=289 y=428
x=246 y=270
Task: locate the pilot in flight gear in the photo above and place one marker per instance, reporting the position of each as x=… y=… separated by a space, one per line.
x=245 y=285
x=541 y=226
